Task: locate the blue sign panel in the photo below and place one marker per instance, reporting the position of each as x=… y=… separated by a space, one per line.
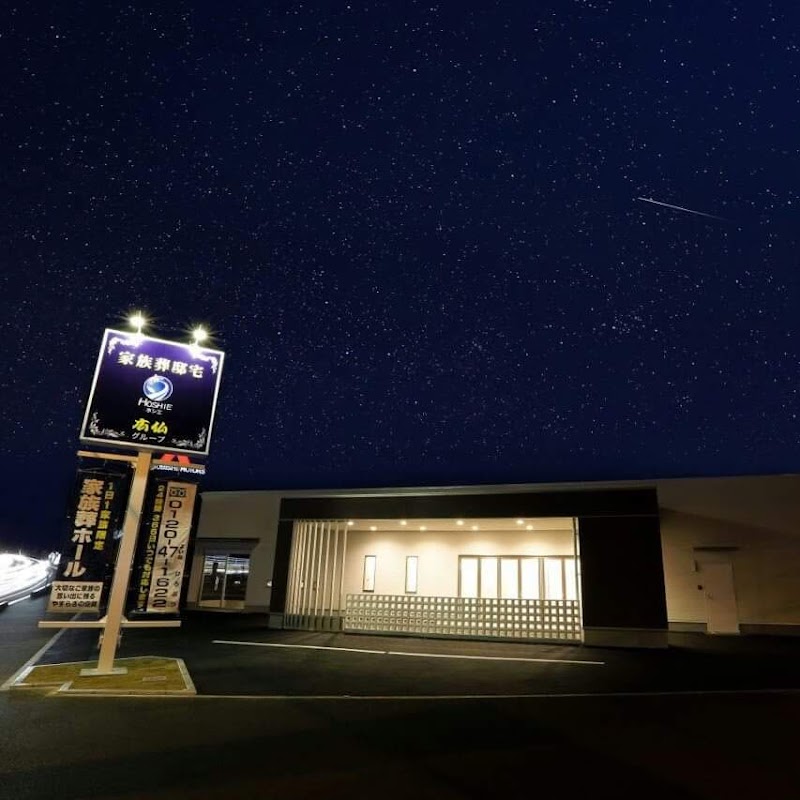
x=152 y=394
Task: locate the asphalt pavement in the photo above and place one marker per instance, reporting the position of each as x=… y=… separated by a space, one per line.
x=230 y=654
x=672 y=724
x=19 y=636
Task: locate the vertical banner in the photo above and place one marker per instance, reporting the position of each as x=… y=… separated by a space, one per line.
x=96 y=515
x=165 y=542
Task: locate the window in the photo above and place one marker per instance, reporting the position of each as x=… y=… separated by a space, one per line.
x=469 y=576
x=224 y=580
x=570 y=579
x=488 y=577
x=530 y=578
x=553 y=579
x=509 y=578
x=411 y=574
x=368 y=584
x=517 y=577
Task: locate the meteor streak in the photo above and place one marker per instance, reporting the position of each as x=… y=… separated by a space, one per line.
x=680 y=208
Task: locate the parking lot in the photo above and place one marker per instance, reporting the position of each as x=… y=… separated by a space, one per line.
x=234 y=655
x=708 y=718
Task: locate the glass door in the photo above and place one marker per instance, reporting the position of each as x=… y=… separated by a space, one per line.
x=237 y=572
x=224 y=580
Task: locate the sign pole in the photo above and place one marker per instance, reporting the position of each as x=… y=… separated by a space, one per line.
x=148 y=395
x=122 y=570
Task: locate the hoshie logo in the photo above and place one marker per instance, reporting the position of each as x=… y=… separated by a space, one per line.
x=157 y=388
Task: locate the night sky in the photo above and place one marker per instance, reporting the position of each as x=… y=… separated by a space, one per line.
x=414 y=229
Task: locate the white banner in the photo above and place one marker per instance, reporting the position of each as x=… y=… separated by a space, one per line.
x=75 y=596
x=173 y=542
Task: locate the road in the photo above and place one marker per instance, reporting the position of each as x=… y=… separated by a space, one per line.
x=21 y=575
x=643 y=745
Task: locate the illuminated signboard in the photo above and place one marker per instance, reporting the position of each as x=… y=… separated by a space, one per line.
x=153 y=394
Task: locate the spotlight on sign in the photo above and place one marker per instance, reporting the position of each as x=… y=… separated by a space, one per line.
x=137 y=321
x=199 y=334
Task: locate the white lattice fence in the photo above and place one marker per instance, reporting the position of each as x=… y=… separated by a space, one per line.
x=553 y=620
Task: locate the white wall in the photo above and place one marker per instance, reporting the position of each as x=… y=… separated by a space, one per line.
x=760 y=516
x=240 y=515
x=438 y=554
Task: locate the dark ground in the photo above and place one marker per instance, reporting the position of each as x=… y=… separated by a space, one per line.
x=703 y=744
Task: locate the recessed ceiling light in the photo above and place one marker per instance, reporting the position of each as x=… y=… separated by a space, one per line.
x=459 y=522
x=372 y=528
x=423 y=527
x=474 y=527
x=403 y=522
x=520 y=522
x=350 y=522
x=529 y=527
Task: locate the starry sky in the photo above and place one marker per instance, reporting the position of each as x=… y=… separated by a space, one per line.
x=416 y=229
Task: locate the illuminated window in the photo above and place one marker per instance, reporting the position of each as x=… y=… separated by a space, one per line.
x=411 y=574
x=488 y=577
x=509 y=578
x=469 y=576
x=368 y=584
x=553 y=579
x=518 y=577
x=570 y=579
x=530 y=578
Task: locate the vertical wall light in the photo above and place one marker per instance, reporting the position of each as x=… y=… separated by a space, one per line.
x=411 y=574
x=368 y=583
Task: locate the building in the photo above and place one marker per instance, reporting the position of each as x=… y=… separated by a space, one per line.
x=618 y=563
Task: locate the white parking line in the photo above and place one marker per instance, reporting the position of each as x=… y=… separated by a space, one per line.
x=300 y=646
x=450 y=697
x=500 y=658
x=413 y=655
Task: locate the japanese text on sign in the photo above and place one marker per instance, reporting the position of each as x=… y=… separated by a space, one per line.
x=143 y=361
x=170 y=554
x=90 y=525
x=92 y=520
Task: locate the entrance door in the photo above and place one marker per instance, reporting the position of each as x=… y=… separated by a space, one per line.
x=237 y=571
x=224 y=580
x=721 y=612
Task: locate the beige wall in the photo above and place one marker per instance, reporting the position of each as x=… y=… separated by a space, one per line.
x=240 y=515
x=438 y=554
x=760 y=518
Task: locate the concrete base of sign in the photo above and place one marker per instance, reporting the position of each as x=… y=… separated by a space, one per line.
x=112 y=671
x=141 y=675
